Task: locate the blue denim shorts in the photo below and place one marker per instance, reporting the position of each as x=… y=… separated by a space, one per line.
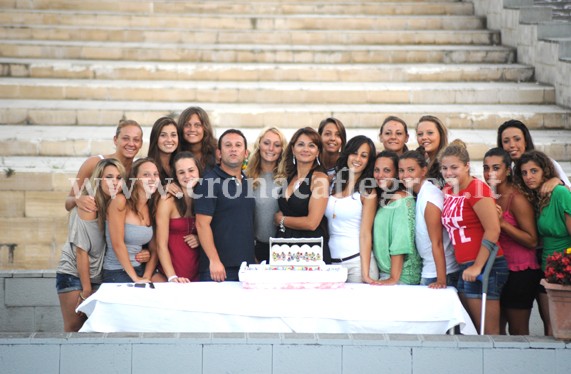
x=121 y=276
x=67 y=283
x=451 y=279
x=498 y=277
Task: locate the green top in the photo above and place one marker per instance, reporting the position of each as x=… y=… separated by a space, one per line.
x=393 y=234
x=551 y=223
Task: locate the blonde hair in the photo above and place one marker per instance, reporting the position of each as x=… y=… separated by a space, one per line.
x=126 y=123
x=101 y=199
x=254 y=168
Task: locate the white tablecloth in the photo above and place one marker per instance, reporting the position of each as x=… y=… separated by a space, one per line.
x=227 y=307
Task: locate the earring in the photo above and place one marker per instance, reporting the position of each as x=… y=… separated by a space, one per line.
x=318 y=163
x=294 y=159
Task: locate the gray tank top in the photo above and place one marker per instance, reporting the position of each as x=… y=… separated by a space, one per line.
x=135 y=238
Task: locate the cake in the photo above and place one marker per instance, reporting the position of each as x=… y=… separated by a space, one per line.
x=294 y=263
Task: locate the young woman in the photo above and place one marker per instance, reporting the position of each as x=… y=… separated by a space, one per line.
x=79 y=271
x=129 y=227
x=394 y=135
x=128 y=141
x=196 y=135
x=263 y=170
x=176 y=236
x=552 y=211
x=439 y=267
x=303 y=201
x=351 y=208
x=163 y=145
x=393 y=228
x=470 y=217
x=518 y=240
x=432 y=135
x=333 y=137
x=514 y=137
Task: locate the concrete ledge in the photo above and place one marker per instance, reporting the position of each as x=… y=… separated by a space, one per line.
x=279 y=353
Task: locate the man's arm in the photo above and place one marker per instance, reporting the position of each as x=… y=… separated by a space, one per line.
x=217 y=270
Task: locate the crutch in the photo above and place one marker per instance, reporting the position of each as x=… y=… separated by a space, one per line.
x=493 y=248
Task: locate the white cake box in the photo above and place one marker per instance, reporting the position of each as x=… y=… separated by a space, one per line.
x=294 y=263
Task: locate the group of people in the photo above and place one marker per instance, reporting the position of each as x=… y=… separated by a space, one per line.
x=196 y=207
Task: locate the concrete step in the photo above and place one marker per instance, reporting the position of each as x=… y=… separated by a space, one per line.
x=281 y=92
x=255 y=53
x=79 y=69
x=218 y=21
x=252 y=7
x=56 y=173
x=184 y=35
x=258 y=115
x=74 y=141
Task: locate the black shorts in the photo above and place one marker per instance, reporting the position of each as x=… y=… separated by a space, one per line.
x=521 y=289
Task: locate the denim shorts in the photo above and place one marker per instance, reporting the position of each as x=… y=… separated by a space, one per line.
x=121 y=276
x=496 y=281
x=451 y=279
x=67 y=283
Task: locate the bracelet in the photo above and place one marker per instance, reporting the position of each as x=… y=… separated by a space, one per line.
x=81 y=296
x=172 y=277
x=282 y=227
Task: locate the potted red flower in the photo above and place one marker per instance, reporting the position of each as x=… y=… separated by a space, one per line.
x=557 y=282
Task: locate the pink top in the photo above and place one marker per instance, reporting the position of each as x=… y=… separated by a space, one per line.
x=518 y=256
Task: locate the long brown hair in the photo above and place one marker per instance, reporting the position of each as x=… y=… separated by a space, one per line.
x=181 y=203
x=155 y=152
x=340 y=128
x=287 y=167
x=538 y=200
x=133 y=200
x=208 y=143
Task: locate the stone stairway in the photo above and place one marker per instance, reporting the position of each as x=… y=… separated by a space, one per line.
x=70 y=70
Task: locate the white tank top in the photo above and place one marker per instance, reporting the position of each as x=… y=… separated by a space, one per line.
x=344 y=222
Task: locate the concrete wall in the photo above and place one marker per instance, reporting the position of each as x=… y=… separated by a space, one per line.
x=29 y=302
x=31 y=341
x=539 y=41
x=280 y=353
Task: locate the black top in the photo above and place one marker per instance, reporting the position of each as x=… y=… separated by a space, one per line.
x=298 y=206
x=226 y=200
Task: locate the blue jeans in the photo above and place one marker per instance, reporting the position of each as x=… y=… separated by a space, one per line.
x=67 y=283
x=498 y=277
x=120 y=275
x=451 y=279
